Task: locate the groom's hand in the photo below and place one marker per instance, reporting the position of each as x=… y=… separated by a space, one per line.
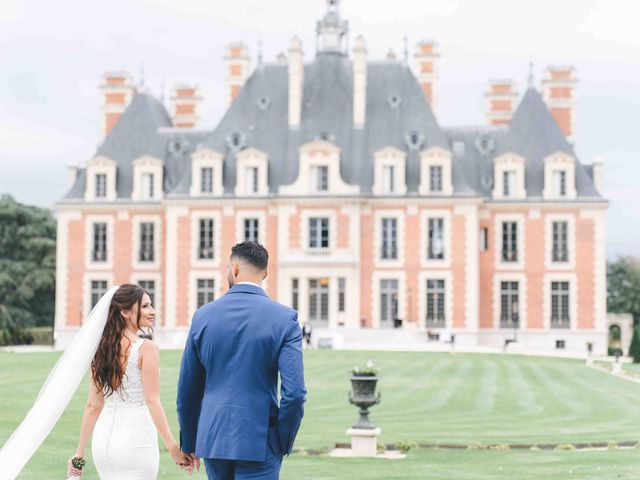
x=195 y=461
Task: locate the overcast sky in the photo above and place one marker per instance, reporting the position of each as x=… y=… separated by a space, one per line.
x=53 y=55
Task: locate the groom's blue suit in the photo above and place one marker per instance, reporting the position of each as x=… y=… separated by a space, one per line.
x=227 y=391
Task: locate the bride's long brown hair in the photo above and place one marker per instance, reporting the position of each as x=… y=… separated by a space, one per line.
x=107 y=370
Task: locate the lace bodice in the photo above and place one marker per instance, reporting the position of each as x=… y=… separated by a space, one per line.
x=130 y=394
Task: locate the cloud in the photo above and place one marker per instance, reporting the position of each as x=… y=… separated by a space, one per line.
x=615 y=20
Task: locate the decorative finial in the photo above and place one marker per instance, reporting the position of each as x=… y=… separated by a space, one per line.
x=141 y=75
x=332 y=5
x=406 y=48
x=530 y=78
x=259 y=50
x=162 y=89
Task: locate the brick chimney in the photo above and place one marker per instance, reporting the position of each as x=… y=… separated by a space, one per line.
x=501 y=98
x=236 y=61
x=186 y=102
x=597 y=173
x=558 y=92
x=118 y=90
x=359 y=82
x=296 y=82
x=426 y=65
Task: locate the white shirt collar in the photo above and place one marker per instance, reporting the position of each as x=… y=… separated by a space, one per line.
x=249 y=283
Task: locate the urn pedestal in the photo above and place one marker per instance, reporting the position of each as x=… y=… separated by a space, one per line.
x=364 y=434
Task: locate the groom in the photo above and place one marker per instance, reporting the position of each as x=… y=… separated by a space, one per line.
x=227 y=391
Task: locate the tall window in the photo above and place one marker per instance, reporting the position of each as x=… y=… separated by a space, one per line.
x=295 y=293
x=319 y=178
x=318 y=233
x=99 y=242
x=560 y=305
x=206 y=180
x=484 y=239
x=560 y=183
x=509 y=183
x=560 y=249
x=147 y=185
x=435 y=303
x=509 y=313
x=435 y=247
x=146 y=253
x=205 y=247
x=150 y=287
x=389 y=247
x=98 y=289
x=101 y=185
x=388 y=178
x=435 y=178
x=388 y=302
x=509 y=242
x=251 y=179
x=206 y=291
x=342 y=292
x=251 y=230
x=319 y=300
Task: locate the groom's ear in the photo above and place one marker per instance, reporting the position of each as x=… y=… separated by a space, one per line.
x=266 y=274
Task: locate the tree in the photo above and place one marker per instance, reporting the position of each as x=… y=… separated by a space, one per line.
x=634 y=349
x=27 y=268
x=623 y=287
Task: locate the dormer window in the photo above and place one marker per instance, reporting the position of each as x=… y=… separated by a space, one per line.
x=319 y=172
x=319 y=178
x=388 y=178
x=101 y=179
x=508 y=171
x=251 y=178
x=206 y=180
x=435 y=172
x=147 y=186
x=559 y=177
x=560 y=183
x=435 y=178
x=101 y=185
x=508 y=183
x=206 y=173
x=147 y=178
x=389 y=174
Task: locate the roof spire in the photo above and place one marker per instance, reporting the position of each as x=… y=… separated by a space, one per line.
x=406 y=48
x=259 y=50
x=162 y=89
x=141 y=76
x=530 y=78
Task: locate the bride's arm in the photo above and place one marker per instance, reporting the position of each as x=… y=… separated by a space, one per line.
x=92 y=410
x=150 y=371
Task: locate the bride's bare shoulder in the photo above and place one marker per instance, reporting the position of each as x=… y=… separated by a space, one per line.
x=149 y=351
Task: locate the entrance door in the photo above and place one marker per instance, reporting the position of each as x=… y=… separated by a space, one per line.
x=319 y=302
x=388 y=302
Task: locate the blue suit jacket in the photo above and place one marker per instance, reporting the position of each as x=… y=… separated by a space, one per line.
x=227 y=391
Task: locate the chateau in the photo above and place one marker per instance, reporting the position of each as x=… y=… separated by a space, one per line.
x=375 y=216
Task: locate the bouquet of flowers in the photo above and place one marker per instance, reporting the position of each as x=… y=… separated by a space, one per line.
x=78 y=464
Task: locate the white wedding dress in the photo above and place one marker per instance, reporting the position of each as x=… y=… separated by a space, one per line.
x=125 y=440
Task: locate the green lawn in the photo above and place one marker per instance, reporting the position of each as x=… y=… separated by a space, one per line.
x=427 y=398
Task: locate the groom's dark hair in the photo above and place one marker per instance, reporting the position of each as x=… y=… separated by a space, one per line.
x=251 y=252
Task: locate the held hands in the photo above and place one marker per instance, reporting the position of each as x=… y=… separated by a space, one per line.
x=186 y=461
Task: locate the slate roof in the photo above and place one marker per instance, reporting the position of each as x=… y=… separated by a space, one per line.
x=532 y=133
x=396 y=107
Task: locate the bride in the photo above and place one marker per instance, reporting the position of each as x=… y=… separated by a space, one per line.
x=123 y=409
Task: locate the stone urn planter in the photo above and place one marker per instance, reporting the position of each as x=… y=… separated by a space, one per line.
x=363 y=395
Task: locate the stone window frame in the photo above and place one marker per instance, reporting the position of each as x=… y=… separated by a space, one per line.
x=206 y=158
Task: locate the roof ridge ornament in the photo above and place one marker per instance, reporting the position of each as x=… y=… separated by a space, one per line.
x=530 y=77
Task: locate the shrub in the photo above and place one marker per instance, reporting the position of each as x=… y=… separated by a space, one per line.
x=565 y=446
x=405 y=445
x=634 y=349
